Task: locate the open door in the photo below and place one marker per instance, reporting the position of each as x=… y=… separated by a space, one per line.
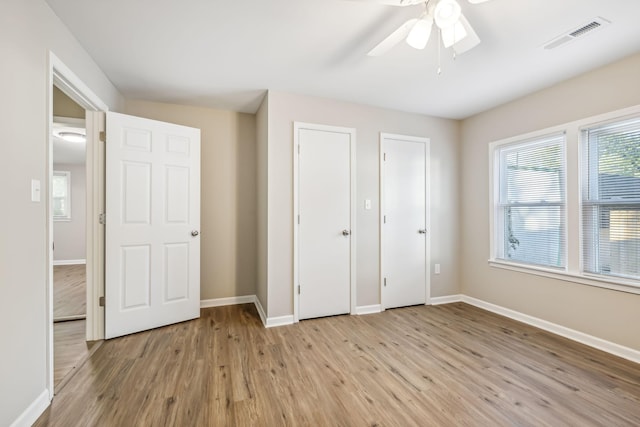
x=152 y=243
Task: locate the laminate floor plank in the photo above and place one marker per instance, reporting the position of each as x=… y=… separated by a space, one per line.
x=450 y=365
x=69 y=291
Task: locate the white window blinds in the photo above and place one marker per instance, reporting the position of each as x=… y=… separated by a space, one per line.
x=611 y=199
x=530 y=213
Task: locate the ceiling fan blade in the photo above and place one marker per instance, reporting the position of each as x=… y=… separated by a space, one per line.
x=393 y=39
x=400 y=3
x=470 y=41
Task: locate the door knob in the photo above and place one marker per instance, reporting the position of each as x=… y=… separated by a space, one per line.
x=194 y=233
x=346 y=232
x=422 y=231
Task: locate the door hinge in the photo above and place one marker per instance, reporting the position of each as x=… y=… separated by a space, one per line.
x=384 y=219
x=298 y=219
x=103 y=136
x=298 y=148
x=102 y=218
x=385 y=281
x=384 y=157
x=101 y=301
x=298 y=289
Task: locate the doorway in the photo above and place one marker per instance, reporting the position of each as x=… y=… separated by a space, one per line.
x=69 y=218
x=404 y=222
x=324 y=231
x=81 y=102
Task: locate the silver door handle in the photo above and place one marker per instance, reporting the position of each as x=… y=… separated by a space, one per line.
x=346 y=232
x=422 y=231
x=194 y=233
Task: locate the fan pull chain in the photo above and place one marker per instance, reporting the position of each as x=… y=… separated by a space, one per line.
x=439 y=49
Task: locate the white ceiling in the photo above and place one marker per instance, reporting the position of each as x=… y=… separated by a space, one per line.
x=225 y=54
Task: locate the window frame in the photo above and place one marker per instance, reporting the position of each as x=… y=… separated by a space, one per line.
x=67 y=215
x=499 y=202
x=574 y=269
x=584 y=148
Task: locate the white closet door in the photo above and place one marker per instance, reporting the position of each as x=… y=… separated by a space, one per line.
x=404 y=221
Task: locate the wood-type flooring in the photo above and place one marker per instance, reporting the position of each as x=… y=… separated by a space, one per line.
x=69 y=292
x=449 y=365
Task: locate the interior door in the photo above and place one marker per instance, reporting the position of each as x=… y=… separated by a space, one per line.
x=324 y=231
x=405 y=231
x=152 y=248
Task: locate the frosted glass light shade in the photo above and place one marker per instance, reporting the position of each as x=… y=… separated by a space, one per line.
x=420 y=33
x=453 y=34
x=447 y=13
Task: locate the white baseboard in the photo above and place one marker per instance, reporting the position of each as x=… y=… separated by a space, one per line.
x=268 y=322
x=261 y=312
x=31 y=414
x=448 y=299
x=69 y=261
x=219 y=302
x=368 y=309
x=581 y=337
x=279 y=321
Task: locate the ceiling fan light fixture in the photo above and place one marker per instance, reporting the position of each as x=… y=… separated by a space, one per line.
x=420 y=33
x=447 y=13
x=453 y=34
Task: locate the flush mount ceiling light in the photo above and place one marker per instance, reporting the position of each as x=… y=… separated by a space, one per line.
x=70 y=135
x=455 y=30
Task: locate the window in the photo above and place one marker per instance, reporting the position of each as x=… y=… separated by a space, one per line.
x=611 y=199
x=61 y=195
x=530 y=208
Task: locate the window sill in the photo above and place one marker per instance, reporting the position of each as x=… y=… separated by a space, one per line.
x=615 y=284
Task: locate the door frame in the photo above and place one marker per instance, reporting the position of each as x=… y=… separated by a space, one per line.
x=297 y=126
x=68 y=82
x=427 y=220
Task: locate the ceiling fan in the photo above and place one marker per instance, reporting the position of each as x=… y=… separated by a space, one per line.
x=454 y=29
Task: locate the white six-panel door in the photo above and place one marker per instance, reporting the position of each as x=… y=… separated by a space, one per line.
x=324 y=223
x=152 y=249
x=404 y=222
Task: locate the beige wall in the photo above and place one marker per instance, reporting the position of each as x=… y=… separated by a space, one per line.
x=607 y=314
x=69 y=236
x=228 y=194
x=286 y=108
x=262 y=137
x=28 y=31
x=63 y=106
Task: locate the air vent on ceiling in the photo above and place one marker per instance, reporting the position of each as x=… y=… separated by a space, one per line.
x=571 y=35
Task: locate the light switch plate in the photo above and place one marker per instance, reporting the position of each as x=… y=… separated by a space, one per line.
x=367 y=204
x=436 y=269
x=35 y=190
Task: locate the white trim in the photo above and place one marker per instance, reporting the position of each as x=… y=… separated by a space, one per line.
x=69 y=83
x=447 y=299
x=33 y=411
x=427 y=219
x=69 y=261
x=597 y=281
x=581 y=337
x=279 y=321
x=261 y=313
x=353 y=177
x=220 y=302
x=368 y=309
